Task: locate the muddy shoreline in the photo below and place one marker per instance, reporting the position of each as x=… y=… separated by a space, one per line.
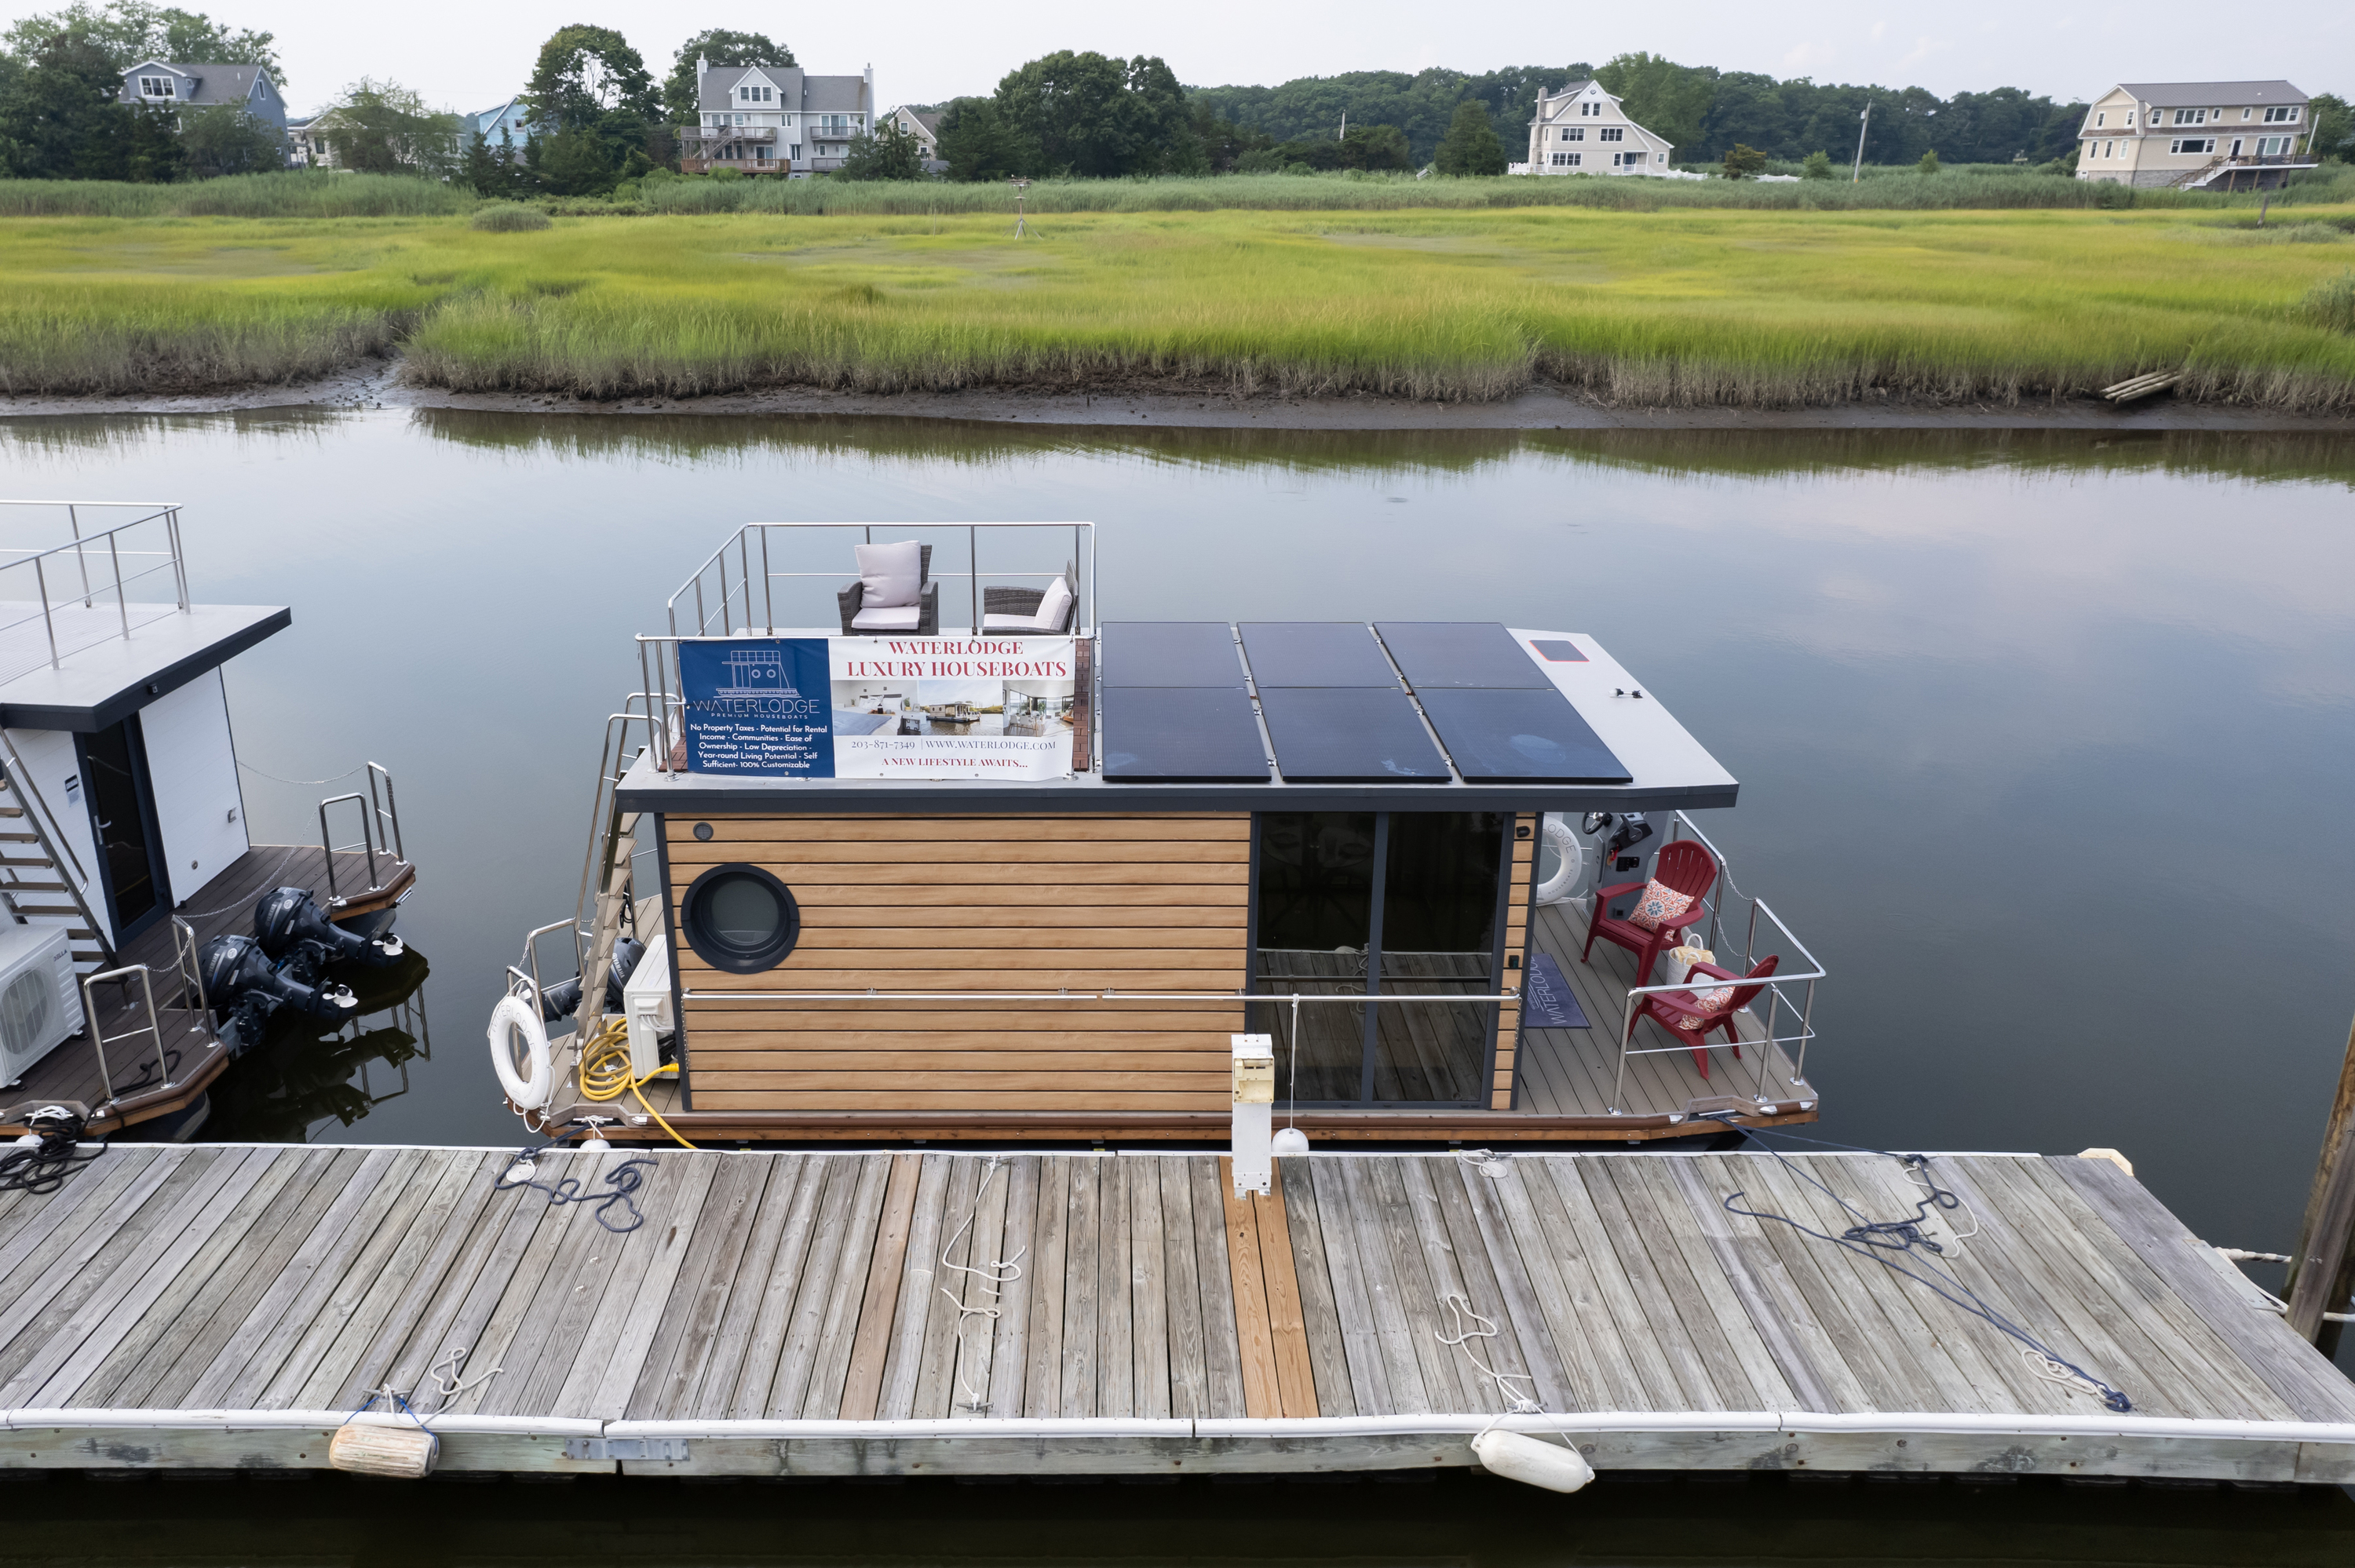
x=378 y=385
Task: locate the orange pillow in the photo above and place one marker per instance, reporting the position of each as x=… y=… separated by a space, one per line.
x=1656 y=906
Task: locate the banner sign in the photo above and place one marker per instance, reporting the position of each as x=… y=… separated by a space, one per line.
x=881 y=707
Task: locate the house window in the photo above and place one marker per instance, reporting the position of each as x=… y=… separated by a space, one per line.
x=2191 y=117
x=2192 y=145
x=2274 y=146
x=2246 y=112
x=1574 y=133
x=1589 y=109
x=2286 y=114
x=2099 y=121
x=2109 y=149
x=155 y=87
x=1613 y=133
x=1567 y=159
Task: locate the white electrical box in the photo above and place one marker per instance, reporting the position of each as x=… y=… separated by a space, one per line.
x=40 y=1005
x=1254 y=1103
x=646 y=1006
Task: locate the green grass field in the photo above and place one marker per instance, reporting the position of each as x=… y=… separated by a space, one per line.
x=1688 y=305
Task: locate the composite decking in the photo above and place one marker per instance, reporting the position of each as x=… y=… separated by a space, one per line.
x=143 y=1087
x=897 y=1311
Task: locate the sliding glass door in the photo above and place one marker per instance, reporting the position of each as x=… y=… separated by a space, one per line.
x=1355 y=905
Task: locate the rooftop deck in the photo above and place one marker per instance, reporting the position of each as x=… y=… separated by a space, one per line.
x=832 y=1313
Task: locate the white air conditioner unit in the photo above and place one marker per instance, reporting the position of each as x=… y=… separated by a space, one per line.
x=40 y=1002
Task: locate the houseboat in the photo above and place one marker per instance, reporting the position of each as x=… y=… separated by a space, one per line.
x=1441 y=872
x=148 y=939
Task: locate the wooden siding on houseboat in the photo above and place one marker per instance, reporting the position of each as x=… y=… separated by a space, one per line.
x=1516 y=956
x=950 y=904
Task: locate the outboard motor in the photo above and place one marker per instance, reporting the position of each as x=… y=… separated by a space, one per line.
x=563 y=998
x=288 y=917
x=245 y=988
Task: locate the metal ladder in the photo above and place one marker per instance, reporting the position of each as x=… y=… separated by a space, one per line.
x=42 y=882
x=605 y=908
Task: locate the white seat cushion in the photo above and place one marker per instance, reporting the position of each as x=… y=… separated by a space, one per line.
x=894 y=574
x=1008 y=623
x=1053 y=607
x=902 y=618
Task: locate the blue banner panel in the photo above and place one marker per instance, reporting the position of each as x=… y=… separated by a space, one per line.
x=758 y=705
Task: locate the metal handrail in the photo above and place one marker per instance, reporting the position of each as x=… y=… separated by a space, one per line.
x=57 y=847
x=379 y=830
x=101 y=1040
x=168 y=558
x=1084 y=564
x=614 y=759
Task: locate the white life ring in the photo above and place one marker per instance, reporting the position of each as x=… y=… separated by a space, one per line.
x=514 y=1018
x=1563 y=839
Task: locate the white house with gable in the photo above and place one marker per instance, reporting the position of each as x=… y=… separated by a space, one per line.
x=775 y=120
x=1582 y=129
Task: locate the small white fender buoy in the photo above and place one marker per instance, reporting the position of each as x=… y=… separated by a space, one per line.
x=517 y=1021
x=1569 y=860
x=401 y=1453
x=1517 y=1457
x=1289 y=1143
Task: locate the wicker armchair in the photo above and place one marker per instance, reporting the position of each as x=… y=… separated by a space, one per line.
x=928 y=604
x=1023 y=602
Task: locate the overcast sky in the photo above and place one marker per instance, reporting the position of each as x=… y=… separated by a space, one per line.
x=467 y=56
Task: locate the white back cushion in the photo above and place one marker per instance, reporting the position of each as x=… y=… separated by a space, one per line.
x=893 y=574
x=1052 y=608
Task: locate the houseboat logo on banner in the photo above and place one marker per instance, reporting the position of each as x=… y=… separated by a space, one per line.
x=919 y=707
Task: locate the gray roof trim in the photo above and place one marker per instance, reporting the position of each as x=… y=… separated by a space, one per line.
x=100 y=686
x=2213 y=94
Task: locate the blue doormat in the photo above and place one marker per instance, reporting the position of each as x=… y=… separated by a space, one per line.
x=1548 y=1002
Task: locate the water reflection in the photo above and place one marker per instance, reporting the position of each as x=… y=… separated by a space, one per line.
x=305 y=1072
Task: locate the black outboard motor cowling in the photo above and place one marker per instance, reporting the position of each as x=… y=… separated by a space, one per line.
x=287 y=917
x=563 y=998
x=245 y=988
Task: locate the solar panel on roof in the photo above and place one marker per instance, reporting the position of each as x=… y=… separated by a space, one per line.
x=1464 y=655
x=1499 y=736
x=1170 y=653
x=1350 y=735
x=1182 y=735
x=1314 y=653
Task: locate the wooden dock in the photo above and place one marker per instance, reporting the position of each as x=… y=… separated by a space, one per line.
x=829 y=1313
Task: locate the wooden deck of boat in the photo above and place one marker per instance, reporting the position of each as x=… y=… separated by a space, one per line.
x=143 y=1088
x=833 y=1312
x=1566 y=1087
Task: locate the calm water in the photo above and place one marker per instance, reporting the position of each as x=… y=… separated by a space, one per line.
x=2044 y=744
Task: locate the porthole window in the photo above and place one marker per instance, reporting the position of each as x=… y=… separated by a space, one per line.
x=740 y=919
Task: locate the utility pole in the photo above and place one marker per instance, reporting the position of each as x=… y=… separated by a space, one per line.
x=1857 y=173
x=1344 y=134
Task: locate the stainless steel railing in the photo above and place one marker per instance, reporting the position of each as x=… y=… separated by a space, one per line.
x=83 y=572
x=1788 y=992
x=380 y=831
x=733 y=592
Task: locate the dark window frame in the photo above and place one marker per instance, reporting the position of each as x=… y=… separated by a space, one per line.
x=719 y=956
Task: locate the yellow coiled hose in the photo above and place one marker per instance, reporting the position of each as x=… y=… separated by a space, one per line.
x=605 y=1072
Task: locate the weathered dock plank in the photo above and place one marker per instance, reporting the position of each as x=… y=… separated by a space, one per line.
x=926 y=1312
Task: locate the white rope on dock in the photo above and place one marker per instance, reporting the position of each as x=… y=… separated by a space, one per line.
x=992 y=1277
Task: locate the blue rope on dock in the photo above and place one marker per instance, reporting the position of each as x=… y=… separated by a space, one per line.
x=1887 y=1241
x=625 y=1179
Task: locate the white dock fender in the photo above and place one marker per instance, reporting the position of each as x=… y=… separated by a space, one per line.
x=1517 y=1457
x=514 y=1020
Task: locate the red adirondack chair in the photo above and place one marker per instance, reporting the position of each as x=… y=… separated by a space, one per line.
x=1676 y=1009
x=1683 y=866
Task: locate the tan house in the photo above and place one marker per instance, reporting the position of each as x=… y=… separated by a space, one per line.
x=924 y=125
x=2197 y=135
x=1582 y=129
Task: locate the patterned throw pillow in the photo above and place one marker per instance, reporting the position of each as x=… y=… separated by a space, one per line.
x=1709 y=1001
x=1656 y=906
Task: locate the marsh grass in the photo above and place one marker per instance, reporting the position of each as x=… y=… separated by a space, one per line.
x=287 y=194
x=508 y=217
x=1694 y=306
x=2330 y=304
